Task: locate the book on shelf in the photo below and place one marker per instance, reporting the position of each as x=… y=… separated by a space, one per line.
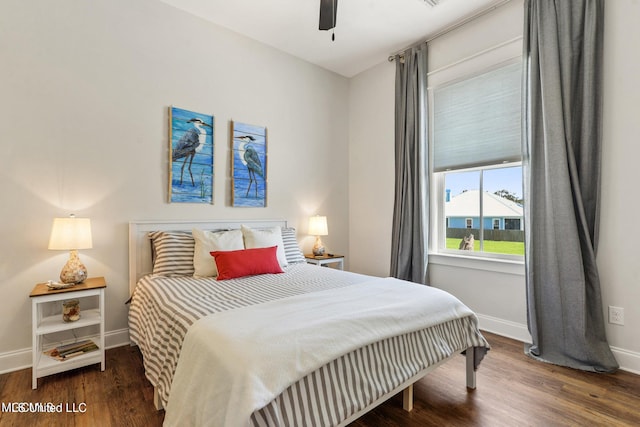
x=68 y=351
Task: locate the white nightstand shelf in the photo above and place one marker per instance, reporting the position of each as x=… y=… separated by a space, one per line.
x=49 y=366
x=42 y=325
x=51 y=324
x=323 y=260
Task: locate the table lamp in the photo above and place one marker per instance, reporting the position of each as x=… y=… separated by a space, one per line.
x=318 y=227
x=71 y=234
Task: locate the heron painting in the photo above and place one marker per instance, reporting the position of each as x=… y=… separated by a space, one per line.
x=249 y=165
x=191 y=157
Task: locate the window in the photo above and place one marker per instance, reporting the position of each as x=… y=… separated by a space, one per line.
x=512 y=223
x=476 y=167
x=492 y=222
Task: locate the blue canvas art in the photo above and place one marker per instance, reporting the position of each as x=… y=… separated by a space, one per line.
x=191 y=157
x=249 y=165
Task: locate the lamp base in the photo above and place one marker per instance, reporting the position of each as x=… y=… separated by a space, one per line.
x=74 y=270
x=318 y=247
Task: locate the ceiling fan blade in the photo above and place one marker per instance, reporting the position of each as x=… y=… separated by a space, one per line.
x=328 y=11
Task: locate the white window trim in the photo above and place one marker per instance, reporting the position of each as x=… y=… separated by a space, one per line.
x=438 y=254
x=437 y=242
x=505 y=266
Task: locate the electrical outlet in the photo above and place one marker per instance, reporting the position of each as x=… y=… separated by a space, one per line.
x=616 y=315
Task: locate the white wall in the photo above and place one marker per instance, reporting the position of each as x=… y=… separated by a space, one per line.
x=617 y=256
x=371 y=161
x=499 y=297
x=85 y=89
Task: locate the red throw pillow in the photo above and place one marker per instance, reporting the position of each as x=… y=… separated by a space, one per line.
x=246 y=262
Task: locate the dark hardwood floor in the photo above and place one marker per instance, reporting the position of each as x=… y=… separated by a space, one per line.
x=513 y=390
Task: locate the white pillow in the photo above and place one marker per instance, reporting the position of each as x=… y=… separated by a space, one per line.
x=264 y=238
x=208 y=241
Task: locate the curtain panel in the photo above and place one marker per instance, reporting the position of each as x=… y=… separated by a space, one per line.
x=563 y=43
x=409 y=243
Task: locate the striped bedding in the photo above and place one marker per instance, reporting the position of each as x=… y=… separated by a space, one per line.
x=163 y=308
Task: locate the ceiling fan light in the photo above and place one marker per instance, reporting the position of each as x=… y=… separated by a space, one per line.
x=432 y=3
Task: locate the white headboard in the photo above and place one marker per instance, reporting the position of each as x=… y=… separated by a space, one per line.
x=140 y=245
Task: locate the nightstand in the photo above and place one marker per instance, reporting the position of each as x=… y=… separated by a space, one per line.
x=45 y=301
x=323 y=260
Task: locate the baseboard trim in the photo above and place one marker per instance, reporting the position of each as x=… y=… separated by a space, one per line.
x=21 y=359
x=15 y=360
x=505 y=328
x=117 y=338
x=628 y=360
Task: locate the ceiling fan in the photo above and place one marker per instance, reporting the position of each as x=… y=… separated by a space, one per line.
x=328 y=12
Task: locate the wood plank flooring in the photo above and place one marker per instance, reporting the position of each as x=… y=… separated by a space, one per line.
x=513 y=390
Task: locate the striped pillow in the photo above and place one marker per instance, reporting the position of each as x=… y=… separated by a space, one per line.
x=173 y=253
x=291 y=249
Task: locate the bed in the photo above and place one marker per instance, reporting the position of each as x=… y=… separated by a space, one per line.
x=306 y=346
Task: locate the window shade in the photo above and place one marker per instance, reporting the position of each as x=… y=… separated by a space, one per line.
x=477 y=121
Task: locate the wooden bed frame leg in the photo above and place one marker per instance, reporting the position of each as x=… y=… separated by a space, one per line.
x=407 y=393
x=471 y=372
x=407 y=398
x=157 y=402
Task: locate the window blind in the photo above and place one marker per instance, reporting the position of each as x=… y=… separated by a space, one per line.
x=477 y=121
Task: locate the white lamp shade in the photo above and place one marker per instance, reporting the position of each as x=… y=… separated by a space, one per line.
x=70 y=233
x=318 y=226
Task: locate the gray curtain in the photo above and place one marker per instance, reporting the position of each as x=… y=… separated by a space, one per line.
x=409 y=244
x=561 y=147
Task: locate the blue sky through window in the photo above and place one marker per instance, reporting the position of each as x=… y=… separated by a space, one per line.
x=509 y=178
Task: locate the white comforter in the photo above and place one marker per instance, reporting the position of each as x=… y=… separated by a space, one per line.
x=235 y=362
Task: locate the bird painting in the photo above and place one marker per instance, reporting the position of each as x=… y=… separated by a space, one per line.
x=189 y=144
x=191 y=152
x=252 y=161
x=249 y=171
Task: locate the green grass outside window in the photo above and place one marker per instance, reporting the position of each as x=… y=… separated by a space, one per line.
x=497 y=247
